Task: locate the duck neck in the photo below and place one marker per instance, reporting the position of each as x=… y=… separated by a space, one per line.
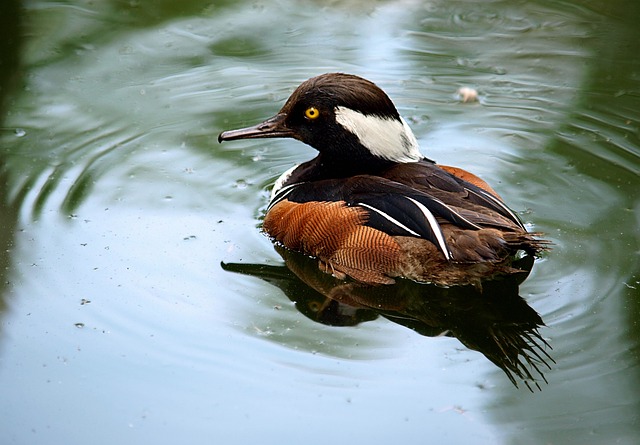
x=327 y=167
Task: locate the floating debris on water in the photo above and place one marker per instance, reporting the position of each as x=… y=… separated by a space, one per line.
x=467 y=95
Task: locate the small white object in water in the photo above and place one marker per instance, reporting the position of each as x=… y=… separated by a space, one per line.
x=466 y=94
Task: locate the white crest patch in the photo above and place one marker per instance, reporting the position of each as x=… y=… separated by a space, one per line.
x=386 y=138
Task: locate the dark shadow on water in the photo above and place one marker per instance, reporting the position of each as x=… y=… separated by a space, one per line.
x=493 y=320
x=10 y=43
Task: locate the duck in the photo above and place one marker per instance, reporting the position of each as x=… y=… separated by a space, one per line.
x=370 y=206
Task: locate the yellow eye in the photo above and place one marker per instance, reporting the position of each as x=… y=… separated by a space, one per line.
x=312 y=113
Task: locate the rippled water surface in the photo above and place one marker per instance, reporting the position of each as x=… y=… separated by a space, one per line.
x=120 y=321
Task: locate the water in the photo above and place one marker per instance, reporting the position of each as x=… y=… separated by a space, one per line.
x=121 y=213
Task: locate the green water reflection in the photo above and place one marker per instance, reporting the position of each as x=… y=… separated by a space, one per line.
x=118 y=324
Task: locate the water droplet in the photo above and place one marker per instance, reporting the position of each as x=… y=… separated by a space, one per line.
x=79 y=325
x=20 y=132
x=241 y=184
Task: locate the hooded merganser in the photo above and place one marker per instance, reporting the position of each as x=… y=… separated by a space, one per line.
x=370 y=206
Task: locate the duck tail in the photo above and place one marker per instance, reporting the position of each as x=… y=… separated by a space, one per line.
x=531 y=243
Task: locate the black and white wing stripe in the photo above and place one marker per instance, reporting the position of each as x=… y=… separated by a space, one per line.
x=282 y=180
x=413 y=214
x=435 y=228
x=384 y=221
x=282 y=193
x=421 y=214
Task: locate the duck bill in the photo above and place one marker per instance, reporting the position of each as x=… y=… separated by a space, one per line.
x=271 y=128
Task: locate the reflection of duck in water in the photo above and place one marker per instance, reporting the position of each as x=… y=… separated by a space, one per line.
x=370 y=206
x=495 y=321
